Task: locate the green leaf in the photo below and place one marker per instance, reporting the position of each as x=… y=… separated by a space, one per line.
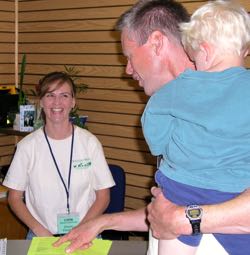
x=22 y=71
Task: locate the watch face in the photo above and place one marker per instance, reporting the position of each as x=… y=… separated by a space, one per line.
x=194 y=213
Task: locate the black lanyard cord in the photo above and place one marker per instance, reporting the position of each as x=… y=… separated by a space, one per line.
x=57 y=168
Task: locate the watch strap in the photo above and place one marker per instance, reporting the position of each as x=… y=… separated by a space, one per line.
x=195 y=227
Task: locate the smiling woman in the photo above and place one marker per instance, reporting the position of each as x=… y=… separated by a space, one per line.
x=60 y=168
x=54 y=81
x=57 y=97
x=57 y=105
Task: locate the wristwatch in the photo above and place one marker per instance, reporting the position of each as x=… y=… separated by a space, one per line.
x=194 y=214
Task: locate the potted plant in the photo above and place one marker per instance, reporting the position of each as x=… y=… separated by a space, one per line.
x=22 y=98
x=80 y=87
x=25 y=117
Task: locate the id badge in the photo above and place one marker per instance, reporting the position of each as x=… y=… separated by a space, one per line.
x=66 y=221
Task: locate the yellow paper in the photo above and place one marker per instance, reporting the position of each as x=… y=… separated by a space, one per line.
x=43 y=246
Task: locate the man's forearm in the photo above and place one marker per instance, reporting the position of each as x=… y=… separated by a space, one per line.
x=134 y=220
x=81 y=236
x=228 y=217
x=99 y=206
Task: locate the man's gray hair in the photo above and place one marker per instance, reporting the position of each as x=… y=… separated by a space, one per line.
x=147 y=16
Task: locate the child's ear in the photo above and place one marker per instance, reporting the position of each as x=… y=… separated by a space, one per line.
x=207 y=51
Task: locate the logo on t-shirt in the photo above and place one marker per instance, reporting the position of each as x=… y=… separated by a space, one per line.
x=81 y=164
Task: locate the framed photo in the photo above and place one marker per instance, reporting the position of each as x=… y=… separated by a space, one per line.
x=27 y=117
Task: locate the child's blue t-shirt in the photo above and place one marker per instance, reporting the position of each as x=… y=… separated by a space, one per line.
x=200 y=123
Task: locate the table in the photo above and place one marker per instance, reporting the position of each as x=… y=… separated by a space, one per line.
x=20 y=247
x=11 y=131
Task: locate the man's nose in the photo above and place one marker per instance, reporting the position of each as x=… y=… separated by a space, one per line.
x=129 y=68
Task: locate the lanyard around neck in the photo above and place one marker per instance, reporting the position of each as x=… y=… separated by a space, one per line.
x=57 y=168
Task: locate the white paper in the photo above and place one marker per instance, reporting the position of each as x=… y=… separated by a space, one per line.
x=3 y=246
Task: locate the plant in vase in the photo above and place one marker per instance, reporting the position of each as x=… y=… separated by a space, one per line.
x=76 y=119
x=22 y=98
x=26 y=113
x=16 y=99
x=80 y=88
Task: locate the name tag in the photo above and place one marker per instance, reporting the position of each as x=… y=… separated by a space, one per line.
x=65 y=222
x=81 y=164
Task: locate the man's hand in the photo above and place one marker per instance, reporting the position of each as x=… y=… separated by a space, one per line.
x=80 y=237
x=167 y=220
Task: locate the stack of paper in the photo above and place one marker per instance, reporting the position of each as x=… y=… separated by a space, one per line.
x=44 y=245
x=3 y=246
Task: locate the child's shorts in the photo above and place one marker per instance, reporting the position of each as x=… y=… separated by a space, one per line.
x=182 y=194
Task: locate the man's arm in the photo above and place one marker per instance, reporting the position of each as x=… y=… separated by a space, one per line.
x=231 y=217
x=168 y=220
x=81 y=236
x=99 y=206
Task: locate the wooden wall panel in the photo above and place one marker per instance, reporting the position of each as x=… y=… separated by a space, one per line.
x=7 y=66
x=7 y=147
x=65 y=4
x=68 y=36
x=103 y=48
x=115 y=83
x=79 y=59
x=7 y=37
x=76 y=14
x=81 y=34
x=88 y=70
x=78 y=25
x=7 y=41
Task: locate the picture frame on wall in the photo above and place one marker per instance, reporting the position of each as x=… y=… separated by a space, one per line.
x=27 y=117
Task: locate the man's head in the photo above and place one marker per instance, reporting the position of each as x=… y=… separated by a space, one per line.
x=223 y=24
x=147 y=16
x=151 y=42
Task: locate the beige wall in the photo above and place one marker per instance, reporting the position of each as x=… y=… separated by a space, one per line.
x=81 y=33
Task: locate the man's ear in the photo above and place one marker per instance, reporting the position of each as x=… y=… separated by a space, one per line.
x=246 y=53
x=156 y=41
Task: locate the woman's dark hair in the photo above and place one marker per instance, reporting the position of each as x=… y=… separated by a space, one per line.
x=58 y=78
x=54 y=77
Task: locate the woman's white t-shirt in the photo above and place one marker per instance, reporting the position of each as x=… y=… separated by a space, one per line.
x=33 y=170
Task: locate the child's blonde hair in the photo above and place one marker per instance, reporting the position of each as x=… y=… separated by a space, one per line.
x=224 y=24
